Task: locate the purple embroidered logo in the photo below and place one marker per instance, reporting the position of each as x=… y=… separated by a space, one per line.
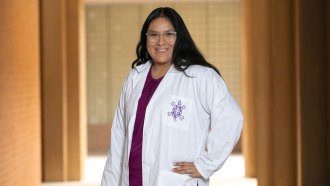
x=177 y=110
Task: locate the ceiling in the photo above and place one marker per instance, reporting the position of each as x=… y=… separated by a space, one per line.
x=155 y=1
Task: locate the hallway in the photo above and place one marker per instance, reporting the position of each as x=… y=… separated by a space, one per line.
x=284 y=57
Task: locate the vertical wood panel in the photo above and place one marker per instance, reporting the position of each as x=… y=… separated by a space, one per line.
x=269 y=70
x=64 y=136
x=327 y=7
x=297 y=32
x=261 y=62
x=20 y=150
x=75 y=89
x=313 y=75
x=283 y=93
x=248 y=92
x=54 y=99
x=297 y=106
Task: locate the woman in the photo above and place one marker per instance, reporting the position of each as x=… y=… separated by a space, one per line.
x=176 y=122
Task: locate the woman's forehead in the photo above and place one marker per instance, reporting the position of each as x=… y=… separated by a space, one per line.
x=160 y=24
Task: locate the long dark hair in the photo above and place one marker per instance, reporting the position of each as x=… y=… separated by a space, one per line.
x=185 y=52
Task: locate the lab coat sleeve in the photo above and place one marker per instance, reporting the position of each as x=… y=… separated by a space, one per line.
x=113 y=167
x=226 y=122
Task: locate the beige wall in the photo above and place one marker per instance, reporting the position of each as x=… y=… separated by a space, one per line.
x=113 y=32
x=112 y=35
x=20 y=151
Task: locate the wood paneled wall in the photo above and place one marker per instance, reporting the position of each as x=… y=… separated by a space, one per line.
x=63 y=90
x=314 y=123
x=20 y=138
x=286 y=91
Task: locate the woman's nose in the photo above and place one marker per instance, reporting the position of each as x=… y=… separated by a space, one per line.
x=161 y=39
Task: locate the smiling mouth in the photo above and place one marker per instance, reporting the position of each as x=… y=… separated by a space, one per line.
x=161 y=49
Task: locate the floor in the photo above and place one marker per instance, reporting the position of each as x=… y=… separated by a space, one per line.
x=232 y=173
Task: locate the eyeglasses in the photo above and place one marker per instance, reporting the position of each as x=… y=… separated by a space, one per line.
x=155 y=36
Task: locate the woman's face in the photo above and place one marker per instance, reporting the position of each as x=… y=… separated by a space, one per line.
x=161 y=37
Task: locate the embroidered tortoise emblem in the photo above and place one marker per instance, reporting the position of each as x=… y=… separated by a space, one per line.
x=176 y=111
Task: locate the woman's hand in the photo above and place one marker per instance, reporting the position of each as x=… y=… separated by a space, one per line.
x=186 y=168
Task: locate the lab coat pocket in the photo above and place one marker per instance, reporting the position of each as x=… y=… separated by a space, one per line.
x=166 y=178
x=177 y=112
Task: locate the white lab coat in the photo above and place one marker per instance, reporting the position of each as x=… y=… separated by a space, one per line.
x=191 y=119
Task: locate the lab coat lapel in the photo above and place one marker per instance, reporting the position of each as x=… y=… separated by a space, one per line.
x=161 y=89
x=137 y=85
x=164 y=83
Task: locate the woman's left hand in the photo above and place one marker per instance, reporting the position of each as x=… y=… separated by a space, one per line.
x=186 y=168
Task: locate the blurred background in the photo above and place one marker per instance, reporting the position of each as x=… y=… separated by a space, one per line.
x=63 y=63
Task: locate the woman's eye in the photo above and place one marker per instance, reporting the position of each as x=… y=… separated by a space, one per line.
x=170 y=34
x=153 y=34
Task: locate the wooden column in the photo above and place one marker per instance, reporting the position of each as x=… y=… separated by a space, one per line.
x=327 y=7
x=20 y=117
x=283 y=103
x=313 y=73
x=261 y=60
x=248 y=87
x=63 y=108
x=269 y=88
x=76 y=81
x=54 y=97
x=256 y=88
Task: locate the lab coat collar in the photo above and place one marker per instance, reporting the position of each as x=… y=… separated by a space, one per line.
x=147 y=65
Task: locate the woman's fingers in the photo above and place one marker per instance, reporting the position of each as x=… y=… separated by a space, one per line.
x=183 y=167
x=186 y=168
